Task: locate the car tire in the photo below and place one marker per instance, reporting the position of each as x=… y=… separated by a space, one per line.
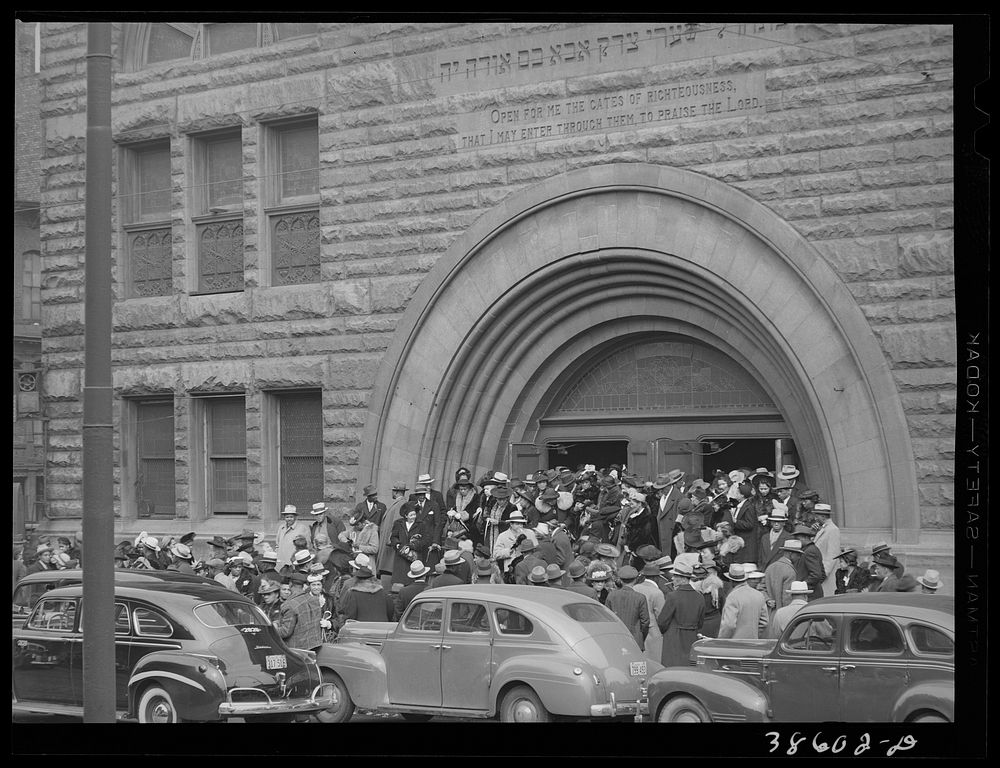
x=929 y=717
x=683 y=709
x=344 y=709
x=416 y=717
x=157 y=706
x=522 y=705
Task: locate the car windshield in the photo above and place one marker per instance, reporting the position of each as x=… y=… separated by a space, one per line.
x=588 y=613
x=229 y=614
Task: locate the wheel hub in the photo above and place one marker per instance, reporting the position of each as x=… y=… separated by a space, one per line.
x=524 y=712
x=161 y=712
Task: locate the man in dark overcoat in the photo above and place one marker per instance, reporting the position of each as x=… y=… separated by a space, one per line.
x=681 y=617
x=809 y=567
x=630 y=606
x=669 y=492
x=370 y=508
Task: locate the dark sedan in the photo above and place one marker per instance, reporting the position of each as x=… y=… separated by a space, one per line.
x=184 y=650
x=848 y=658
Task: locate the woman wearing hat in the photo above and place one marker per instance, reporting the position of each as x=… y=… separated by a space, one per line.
x=640 y=529
x=461 y=501
x=849 y=576
x=490 y=518
x=387 y=552
x=753 y=514
x=409 y=539
x=713 y=589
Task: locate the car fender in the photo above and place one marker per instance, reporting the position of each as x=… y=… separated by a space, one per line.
x=728 y=698
x=936 y=695
x=361 y=667
x=196 y=686
x=561 y=690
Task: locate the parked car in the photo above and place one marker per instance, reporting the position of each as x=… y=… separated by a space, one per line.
x=519 y=653
x=185 y=650
x=847 y=658
x=32 y=586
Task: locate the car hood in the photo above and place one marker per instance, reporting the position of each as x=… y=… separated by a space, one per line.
x=732 y=648
x=253 y=654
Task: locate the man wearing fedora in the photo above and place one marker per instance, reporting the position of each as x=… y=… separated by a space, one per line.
x=416 y=582
x=669 y=491
x=577 y=573
x=182 y=560
x=387 y=552
x=827 y=541
x=521 y=563
x=429 y=504
x=745 y=613
x=797 y=592
x=495 y=517
x=451 y=561
x=771 y=540
x=885 y=573
x=370 y=508
x=289 y=527
x=365 y=600
x=363 y=535
x=681 y=618
x=299 y=616
x=809 y=567
x=789 y=478
x=630 y=606
x=930 y=582
x=780 y=573
x=268 y=594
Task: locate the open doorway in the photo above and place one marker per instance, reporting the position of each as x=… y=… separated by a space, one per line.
x=733 y=454
x=600 y=453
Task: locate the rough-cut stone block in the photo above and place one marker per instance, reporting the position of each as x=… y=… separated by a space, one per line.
x=392 y=294
x=931 y=344
x=854 y=157
x=352 y=373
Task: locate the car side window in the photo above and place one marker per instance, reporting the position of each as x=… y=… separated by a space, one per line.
x=930 y=640
x=122 y=624
x=55 y=614
x=27 y=595
x=468 y=617
x=814 y=634
x=869 y=635
x=149 y=623
x=424 y=616
x=512 y=623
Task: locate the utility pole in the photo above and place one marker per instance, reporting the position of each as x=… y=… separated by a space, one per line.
x=98 y=496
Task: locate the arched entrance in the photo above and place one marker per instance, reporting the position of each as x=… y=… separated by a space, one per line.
x=654 y=402
x=598 y=255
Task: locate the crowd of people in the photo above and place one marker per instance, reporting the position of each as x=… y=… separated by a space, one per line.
x=735 y=557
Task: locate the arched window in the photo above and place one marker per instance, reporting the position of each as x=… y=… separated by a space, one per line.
x=149 y=45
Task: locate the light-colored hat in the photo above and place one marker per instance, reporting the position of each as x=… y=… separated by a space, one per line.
x=780 y=513
x=318 y=568
x=792 y=545
x=271 y=556
x=361 y=560
x=737 y=477
x=183 y=551
x=152 y=542
x=499 y=477
x=822 y=509
x=798 y=588
x=542 y=528
x=517 y=517
x=317 y=509
x=140 y=538
x=553 y=572
x=755 y=574
x=931 y=579
x=663 y=563
x=314 y=578
x=302 y=557
x=42 y=548
x=425 y=479
x=736 y=572
x=452 y=557
x=682 y=568
x=788 y=472
x=537 y=575
x=600 y=575
x=289 y=510
x=749 y=567
x=417 y=569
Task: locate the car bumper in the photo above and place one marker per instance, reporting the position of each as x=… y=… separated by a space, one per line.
x=323 y=696
x=616 y=708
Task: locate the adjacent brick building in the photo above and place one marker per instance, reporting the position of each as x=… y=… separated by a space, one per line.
x=658 y=242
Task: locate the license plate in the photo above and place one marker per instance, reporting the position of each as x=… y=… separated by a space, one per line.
x=278 y=661
x=637 y=668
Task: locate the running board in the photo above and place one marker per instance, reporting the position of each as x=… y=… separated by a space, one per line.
x=65 y=710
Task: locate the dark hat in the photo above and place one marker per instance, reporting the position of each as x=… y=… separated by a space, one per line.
x=576 y=569
x=362 y=573
x=608 y=481
x=370 y=490
x=549 y=496
x=187 y=538
x=886 y=560
x=484 y=567
x=300 y=539
x=537 y=575
x=845 y=552
x=803 y=530
x=553 y=572
x=763 y=477
x=650 y=569
x=809 y=494
x=880 y=547
x=296 y=577
x=215 y=563
x=527 y=545
x=266 y=586
x=482 y=550
x=218 y=541
x=246 y=533
x=628 y=573
x=587 y=547
x=399 y=487
x=648 y=552
x=500 y=492
x=670 y=478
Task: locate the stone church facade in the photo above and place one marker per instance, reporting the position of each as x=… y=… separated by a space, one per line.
x=352 y=253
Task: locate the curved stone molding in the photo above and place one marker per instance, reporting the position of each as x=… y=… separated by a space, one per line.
x=626 y=249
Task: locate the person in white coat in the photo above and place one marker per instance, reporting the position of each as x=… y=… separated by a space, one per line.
x=827 y=541
x=288 y=529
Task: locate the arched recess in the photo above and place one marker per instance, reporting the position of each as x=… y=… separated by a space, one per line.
x=611 y=251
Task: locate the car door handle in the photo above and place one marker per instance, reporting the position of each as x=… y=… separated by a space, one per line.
x=846 y=667
x=829 y=669
x=445 y=647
